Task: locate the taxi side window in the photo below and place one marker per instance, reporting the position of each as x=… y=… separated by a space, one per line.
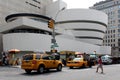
x=28 y=57
x=37 y=57
x=51 y=58
x=48 y=58
x=45 y=58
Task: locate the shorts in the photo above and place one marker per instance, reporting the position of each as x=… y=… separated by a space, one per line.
x=99 y=65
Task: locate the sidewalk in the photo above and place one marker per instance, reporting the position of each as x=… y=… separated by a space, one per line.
x=18 y=66
x=11 y=66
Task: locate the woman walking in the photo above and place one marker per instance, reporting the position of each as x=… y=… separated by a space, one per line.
x=100 y=64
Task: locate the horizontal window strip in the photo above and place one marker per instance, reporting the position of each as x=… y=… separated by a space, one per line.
x=26 y=15
x=87 y=37
x=84 y=21
x=88 y=30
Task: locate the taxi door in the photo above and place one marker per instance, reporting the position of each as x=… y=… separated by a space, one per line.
x=47 y=61
x=53 y=62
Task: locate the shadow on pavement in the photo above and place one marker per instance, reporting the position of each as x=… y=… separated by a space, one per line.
x=36 y=73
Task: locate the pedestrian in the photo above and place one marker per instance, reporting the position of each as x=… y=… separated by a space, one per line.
x=85 y=56
x=17 y=62
x=64 y=62
x=4 y=58
x=89 y=60
x=99 y=64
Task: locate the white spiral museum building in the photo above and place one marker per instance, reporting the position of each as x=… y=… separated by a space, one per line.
x=76 y=30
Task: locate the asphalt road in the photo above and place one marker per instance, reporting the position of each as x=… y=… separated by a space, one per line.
x=111 y=72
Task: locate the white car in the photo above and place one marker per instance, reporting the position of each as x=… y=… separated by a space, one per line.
x=106 y=59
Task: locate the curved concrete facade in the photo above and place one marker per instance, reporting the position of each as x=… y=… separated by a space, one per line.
x=34 y=41
x=84 y=24
x=26 y=27
x=77 y=30
x=87 y=29
x=27 y=41
x=41 y=42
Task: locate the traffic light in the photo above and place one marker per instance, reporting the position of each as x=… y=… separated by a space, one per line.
x=54 y=51
x=51 y=24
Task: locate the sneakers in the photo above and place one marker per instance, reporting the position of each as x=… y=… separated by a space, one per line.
x=97 y=72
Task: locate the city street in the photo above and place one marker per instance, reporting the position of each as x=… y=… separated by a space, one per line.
x=111 y=72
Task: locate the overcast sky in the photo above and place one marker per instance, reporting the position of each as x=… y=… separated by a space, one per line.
x=80 y=3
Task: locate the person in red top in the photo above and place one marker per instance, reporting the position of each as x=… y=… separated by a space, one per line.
x=100 y=64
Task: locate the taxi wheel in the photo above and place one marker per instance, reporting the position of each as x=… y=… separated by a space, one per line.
x=47 y=70
x=40 y=69
x=71 y=67
x=59 y=68
x=27 y=71
x=83 y=65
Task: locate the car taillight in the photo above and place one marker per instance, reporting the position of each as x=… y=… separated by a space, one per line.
x=34 y=62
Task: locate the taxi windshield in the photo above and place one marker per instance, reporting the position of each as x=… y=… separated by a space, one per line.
x=77 y=59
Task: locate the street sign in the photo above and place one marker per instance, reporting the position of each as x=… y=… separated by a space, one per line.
x=52 y=46
x=56 y=45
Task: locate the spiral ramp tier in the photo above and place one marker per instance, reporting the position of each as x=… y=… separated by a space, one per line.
x=86 y=25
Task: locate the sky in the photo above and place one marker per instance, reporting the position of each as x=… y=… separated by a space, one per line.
x=80 y=3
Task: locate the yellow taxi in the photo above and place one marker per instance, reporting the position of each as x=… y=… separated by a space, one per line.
x=77 y=62
x=40 y=62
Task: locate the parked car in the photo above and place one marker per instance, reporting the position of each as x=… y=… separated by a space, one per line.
x=77 y=62
x=106 y=59
x=40 y=62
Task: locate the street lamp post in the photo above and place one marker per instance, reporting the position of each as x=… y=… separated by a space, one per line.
x=53 y=40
